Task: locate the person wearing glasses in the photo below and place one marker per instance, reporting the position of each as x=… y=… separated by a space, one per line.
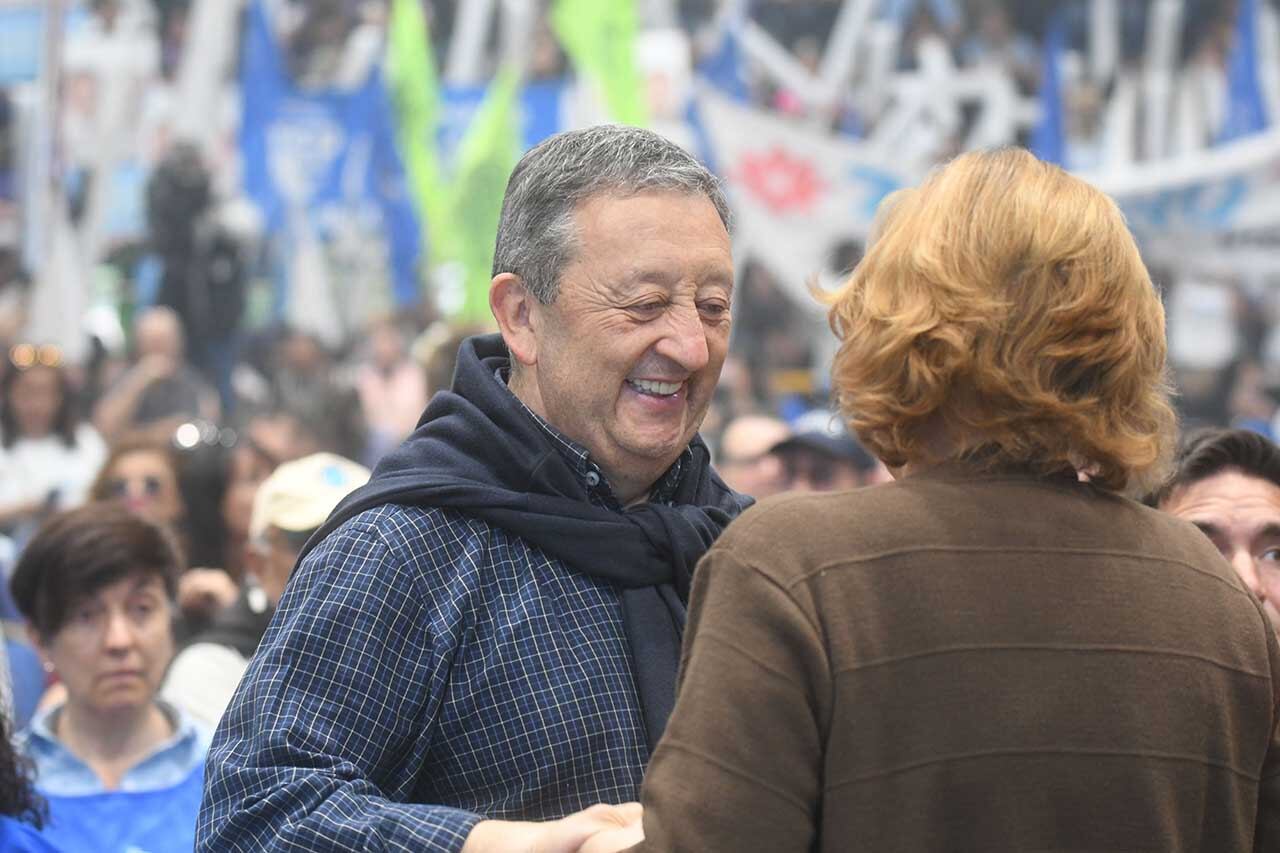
x=155 y=478
x=821 y=456
x=141 y=471
x=48 y=454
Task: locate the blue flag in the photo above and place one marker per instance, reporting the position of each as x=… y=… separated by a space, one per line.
x=1048 y=138
x=724 y=68
x=312 y=152
x=1246 y=112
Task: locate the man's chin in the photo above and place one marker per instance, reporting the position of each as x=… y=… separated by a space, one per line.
x=658 y=448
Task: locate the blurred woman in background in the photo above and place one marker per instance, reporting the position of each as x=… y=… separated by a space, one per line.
x=48 y=454
x=141 y=471
x=154 y=477
x=120 y=769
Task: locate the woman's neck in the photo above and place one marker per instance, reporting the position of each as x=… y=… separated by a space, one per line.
x=111 y=744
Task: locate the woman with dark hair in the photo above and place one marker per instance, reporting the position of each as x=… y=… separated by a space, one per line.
x=120 y=769
x=48 y=455
x=1001 y=650
x=22 y=811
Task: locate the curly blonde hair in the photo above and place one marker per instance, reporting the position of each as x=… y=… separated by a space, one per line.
x=1004 y=305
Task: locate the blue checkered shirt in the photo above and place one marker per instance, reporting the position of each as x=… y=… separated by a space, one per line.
x=425 y=670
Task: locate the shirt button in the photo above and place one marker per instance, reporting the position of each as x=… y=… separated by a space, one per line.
x=593 y=479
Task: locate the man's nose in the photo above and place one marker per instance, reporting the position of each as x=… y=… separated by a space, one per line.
x=1247 y=569
x=686 y=339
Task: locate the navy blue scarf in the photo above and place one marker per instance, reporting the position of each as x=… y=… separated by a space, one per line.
x=476 y=451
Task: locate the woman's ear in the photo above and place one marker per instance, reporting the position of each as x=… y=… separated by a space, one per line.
x=41 y=646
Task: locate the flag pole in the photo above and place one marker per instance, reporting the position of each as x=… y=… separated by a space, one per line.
x=46 y=193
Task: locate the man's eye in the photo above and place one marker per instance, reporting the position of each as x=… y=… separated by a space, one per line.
x=653 y=306
x=713 y=309
x=1271 y=555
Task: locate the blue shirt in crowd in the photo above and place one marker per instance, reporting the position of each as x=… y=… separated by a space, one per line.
x=152 y=811
x=19 y=837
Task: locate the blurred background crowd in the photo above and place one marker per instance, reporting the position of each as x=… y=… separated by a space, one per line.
x=234 y=235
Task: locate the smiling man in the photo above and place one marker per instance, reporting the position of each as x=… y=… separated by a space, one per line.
x=487 y=634
x=1227 y=483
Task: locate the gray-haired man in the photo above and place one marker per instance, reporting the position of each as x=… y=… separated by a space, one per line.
x=489 y=633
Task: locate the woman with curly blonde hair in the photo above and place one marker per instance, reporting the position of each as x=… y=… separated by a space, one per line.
x=1000 y=650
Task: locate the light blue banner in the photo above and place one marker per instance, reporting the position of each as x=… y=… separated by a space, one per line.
x=314 y=151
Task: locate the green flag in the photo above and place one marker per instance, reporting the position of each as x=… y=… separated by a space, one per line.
x=488 y=152
x=415 y=89
x=600 y=37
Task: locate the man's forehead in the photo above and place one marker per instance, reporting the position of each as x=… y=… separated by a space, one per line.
x=1228 y=497
x=668 y=274
x=673 y=207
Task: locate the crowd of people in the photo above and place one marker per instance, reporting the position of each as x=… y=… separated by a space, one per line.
x=244 y=639
x=178 y=243
x=434 y=587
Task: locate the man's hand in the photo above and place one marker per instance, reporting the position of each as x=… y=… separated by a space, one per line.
x=621 y=837
x=599 y=829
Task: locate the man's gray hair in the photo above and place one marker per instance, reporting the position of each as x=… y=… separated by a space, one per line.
x=536 y=234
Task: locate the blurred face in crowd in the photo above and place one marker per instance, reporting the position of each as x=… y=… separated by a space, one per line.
x=158 y=334
x=248 y=469
x=1241 y=516
x=386 y=345
x=806 y=470
x=627 y=356
x=302 y=354
x=148 y=485
x=274 y=559
x=745 y=462
x=268 y=442
x=112 y=651
x=36 y=396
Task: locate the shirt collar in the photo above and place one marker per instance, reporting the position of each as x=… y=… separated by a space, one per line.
x=579 y=459
x=61 y=773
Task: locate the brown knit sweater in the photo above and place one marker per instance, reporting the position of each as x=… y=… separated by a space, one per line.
x=969 y=662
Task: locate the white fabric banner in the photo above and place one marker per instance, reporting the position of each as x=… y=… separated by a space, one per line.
x=799 y=191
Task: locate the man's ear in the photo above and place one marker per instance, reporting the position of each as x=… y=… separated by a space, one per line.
x=514 y=308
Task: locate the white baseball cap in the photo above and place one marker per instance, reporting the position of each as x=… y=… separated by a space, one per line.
x=299 y=495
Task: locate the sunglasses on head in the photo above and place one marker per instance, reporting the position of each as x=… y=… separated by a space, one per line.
x=25 y=356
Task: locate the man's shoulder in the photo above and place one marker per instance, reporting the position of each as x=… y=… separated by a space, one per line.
x=404 y=525
x=435 y=542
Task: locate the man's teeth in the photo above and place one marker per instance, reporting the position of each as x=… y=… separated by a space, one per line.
x=661 y=388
